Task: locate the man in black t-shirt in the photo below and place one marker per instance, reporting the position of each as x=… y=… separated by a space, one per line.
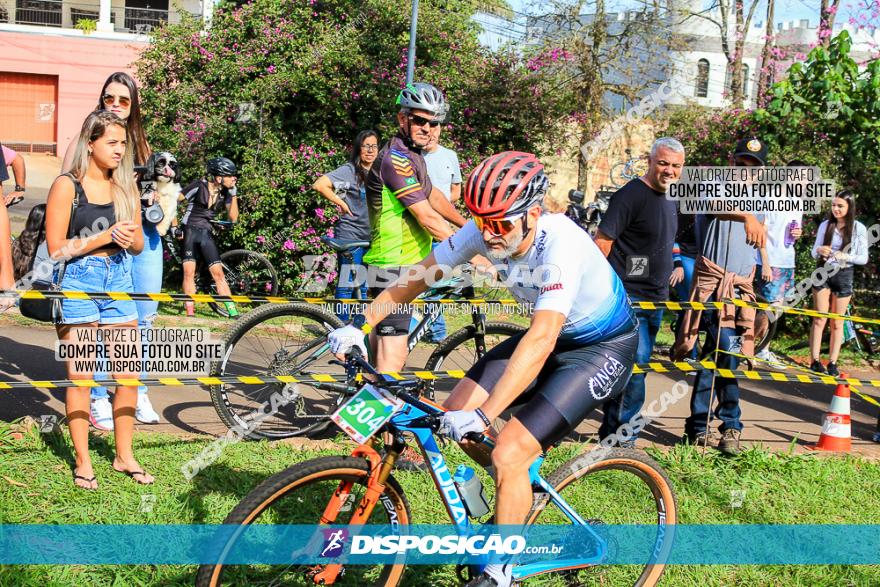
x=637 y=234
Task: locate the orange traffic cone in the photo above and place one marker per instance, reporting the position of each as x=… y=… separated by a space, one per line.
x=835 y=435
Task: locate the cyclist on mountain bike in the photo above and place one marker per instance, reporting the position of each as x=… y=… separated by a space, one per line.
x=205 y=198
x=579 y=349
x=405 y=210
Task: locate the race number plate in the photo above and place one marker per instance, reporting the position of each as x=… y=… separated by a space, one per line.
x=366 y=412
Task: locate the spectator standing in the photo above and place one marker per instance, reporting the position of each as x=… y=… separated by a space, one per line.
x=637 y=234
x=346 y=187
x=841 y=243
x=725 y=269
x=102 y=179
x=445 y=173
x=776 y=264
x=119 y=95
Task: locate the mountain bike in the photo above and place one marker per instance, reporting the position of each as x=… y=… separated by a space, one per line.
x=248 y=273
x=588 y=217
x=291 y=339
x=631 y=168
x=583 y=494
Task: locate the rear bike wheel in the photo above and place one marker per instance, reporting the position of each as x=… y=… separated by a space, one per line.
x=464 y=348
x=273 y=340
x=248 y=274
x=623 y=487
x=618 y=175
x=299 y=496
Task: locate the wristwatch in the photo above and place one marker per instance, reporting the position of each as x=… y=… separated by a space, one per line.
x=19 y=188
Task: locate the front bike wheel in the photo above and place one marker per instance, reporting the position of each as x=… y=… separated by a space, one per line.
x=623 y=487
x=278 y=339
x=299 y=496
x=248 y=274
x=464 y=347
x=619 y=175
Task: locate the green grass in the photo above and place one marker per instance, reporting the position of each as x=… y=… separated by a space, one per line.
x=36 y=488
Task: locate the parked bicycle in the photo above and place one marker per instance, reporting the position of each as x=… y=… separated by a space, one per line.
x=291 y=339
x=631 y=168
x=247 y=272
x=585 y=493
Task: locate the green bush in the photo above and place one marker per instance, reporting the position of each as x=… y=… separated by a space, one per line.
x=282 y=86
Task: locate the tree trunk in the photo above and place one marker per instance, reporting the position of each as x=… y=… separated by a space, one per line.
x=736 y=75
x=827 y=12
x=765 y=79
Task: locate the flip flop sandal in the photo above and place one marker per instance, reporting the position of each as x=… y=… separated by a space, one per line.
x=132 y=474
x=86 y=479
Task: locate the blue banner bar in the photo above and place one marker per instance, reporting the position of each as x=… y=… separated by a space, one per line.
x=438 y=544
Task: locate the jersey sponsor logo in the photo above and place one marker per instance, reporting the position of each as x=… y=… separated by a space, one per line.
x=551 y=287
x=401 y=163
x=542 y=243
x=605 y=378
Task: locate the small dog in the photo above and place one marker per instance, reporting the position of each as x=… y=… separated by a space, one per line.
x=159 y=185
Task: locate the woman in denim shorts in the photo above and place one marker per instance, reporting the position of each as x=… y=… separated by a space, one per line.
x=106 y=231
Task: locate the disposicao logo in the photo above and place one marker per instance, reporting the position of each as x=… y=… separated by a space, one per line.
x=334 y=542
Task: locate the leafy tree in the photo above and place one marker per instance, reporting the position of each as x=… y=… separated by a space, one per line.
x=282 y=86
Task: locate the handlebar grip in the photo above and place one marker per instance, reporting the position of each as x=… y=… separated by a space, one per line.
x=477 y=437
x=354 y=352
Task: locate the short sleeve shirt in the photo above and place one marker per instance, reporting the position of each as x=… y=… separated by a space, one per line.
x=443 y=169
x=643 y=224
x=397 y=180
x=355 y=226
x=563 y=271
x=198 y=214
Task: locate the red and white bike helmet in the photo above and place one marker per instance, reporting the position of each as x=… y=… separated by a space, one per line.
x=505 y=184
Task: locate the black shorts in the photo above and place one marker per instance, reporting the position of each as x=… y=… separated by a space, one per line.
x=200 y=240
x=574 y=381
x=396 y=323
x=840 y=284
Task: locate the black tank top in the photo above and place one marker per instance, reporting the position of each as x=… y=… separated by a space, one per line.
x=89 y=219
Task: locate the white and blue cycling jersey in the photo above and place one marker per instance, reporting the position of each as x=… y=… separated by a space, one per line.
x=563 y=271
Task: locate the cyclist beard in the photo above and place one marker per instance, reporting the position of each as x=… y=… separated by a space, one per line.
x=508 y=250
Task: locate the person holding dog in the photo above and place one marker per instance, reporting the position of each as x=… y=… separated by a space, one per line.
x=119 y=95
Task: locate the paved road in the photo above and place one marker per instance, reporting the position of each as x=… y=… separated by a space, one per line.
x=775 y=414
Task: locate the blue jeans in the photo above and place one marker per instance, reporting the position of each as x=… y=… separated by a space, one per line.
x=624 y=407
x=726 y=390
x=146 y=277
x=347 y=280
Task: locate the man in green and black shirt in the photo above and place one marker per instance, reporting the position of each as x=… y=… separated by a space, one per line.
x=406 y=212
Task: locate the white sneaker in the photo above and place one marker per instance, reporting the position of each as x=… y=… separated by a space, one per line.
x=145 y=412
x=101 y=414
x=768 y=357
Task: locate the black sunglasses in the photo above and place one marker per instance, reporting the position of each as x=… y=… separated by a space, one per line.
x=422 y=121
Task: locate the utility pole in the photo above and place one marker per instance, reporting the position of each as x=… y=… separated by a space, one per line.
x=411 y=55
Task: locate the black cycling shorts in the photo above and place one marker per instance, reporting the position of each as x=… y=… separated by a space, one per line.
x=199 y=240
x=397 y=322
x=574 y=381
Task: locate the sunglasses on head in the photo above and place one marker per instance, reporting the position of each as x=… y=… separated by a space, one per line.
x=422 y=121
x=110 y=99
x=497 y=226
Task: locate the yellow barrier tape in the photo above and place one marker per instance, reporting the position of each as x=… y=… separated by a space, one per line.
x=240 y=299
x=651 y=367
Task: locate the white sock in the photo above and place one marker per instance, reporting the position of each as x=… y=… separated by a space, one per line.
x=503 y=574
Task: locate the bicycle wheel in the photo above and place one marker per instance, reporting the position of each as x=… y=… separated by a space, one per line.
x=299 y=495
x=618 y=175
x=248 y=274
x=278 y=339
x=624 y=487
x=462 y=349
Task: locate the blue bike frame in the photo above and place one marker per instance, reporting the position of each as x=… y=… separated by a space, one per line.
x=413 y=418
